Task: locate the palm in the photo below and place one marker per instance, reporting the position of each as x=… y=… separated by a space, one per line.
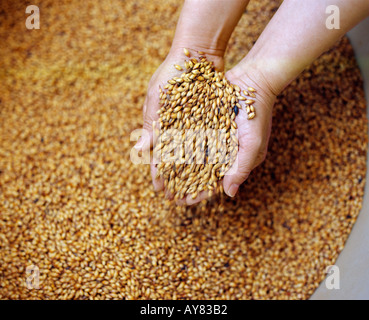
x=159 y=80
x=253 y=135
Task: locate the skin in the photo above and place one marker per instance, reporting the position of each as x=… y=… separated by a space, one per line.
x=293 y=39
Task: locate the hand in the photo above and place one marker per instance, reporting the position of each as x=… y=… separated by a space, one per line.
x=253 y=135
x=165 y=72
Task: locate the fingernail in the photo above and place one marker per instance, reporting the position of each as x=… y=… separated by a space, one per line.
x=233 y=190
x=139 y=144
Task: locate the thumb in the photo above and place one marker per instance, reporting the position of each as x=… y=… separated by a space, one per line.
x=245 y=162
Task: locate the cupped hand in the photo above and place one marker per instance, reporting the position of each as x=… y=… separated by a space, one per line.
x=151 y=106
x=253 y=135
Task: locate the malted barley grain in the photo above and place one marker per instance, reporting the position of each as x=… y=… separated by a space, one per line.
x=73 y=204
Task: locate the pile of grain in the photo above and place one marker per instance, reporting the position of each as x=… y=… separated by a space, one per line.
x=73 y=205
x=197 y=142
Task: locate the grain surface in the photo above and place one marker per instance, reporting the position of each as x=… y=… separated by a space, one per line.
x=72 y=203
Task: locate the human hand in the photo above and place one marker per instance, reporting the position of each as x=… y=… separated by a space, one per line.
x=282 y=51
x=207 y=29
x=151 y=106
x=253 y=135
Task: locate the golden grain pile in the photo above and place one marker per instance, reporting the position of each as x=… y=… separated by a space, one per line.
x=197 y=141
x=72 y=203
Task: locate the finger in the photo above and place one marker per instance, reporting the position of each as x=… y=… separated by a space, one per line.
x=168 y=194
x=150 y=115
x=157 y=182
x=188 y=200
x=245 y=162
x=144 y=107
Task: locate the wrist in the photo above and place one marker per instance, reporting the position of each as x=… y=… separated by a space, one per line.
x=210 y=46
x=216 y=56
x=206 y=25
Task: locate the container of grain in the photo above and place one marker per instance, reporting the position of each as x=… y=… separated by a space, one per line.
x=74 y=207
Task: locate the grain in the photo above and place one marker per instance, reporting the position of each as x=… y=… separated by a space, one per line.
x=251 y=115
x=73 y=204
x=187 y=53
x=207 y=112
